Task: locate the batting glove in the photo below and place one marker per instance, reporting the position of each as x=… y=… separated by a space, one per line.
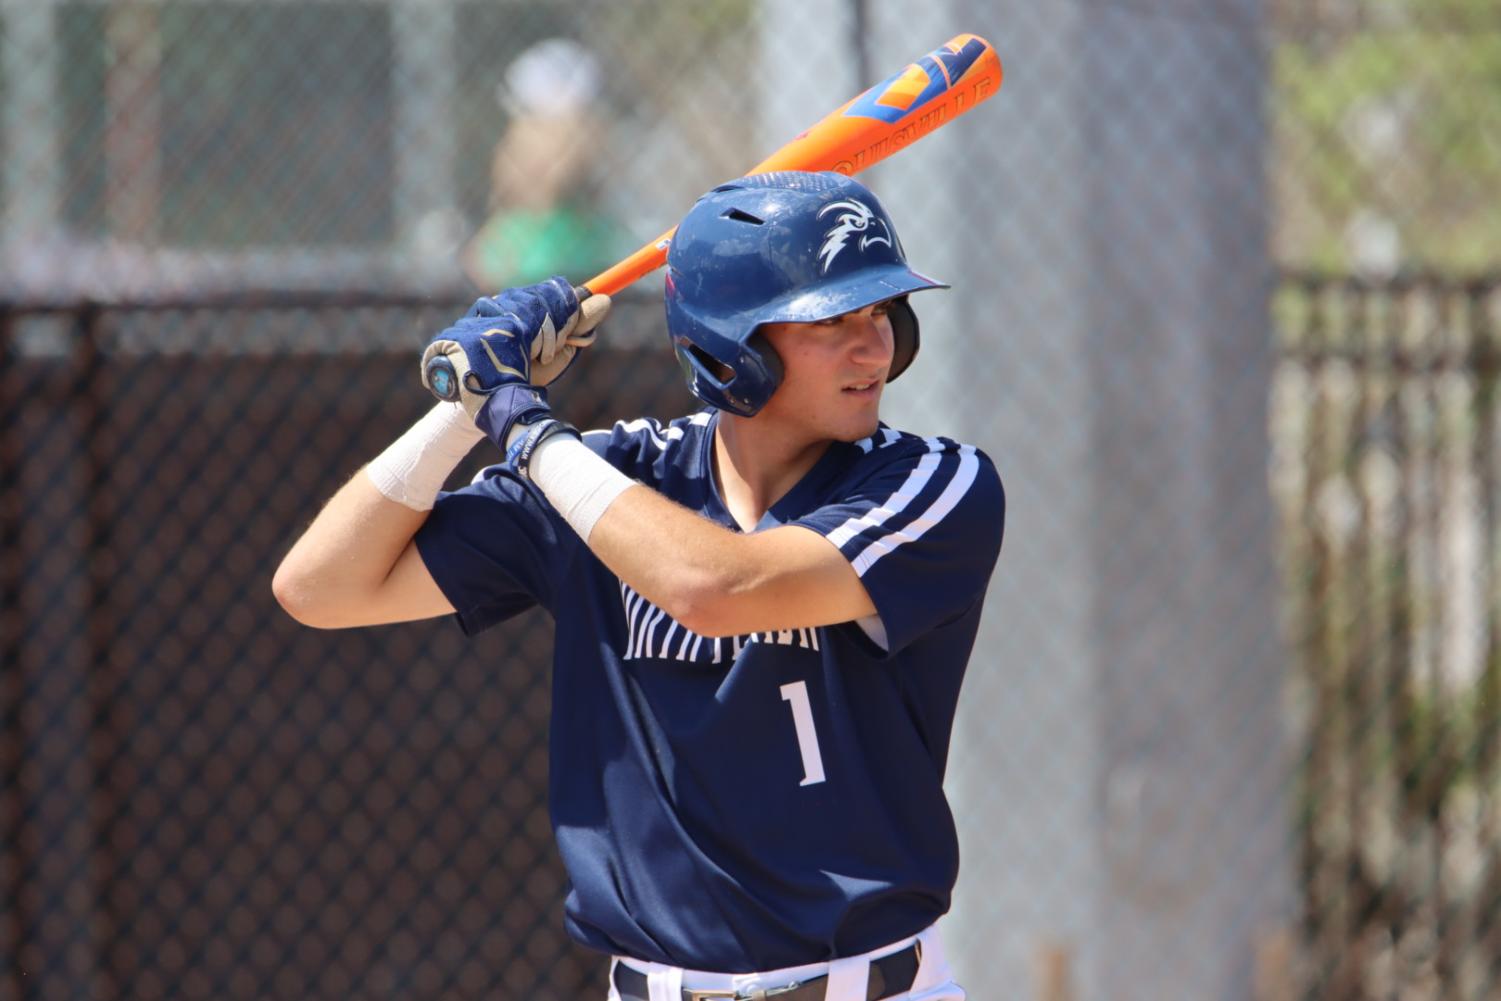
x=518 y=419
x=527 y=335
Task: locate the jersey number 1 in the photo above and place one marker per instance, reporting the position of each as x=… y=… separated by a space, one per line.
x=796 y=694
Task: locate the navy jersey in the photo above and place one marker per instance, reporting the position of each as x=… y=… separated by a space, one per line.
x=748 y=802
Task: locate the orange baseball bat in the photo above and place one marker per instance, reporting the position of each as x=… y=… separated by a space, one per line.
x=895 y=113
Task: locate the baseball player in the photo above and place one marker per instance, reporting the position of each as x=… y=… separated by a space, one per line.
x=763 y=610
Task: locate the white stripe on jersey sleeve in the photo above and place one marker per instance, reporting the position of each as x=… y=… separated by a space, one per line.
x=650 y=426
x=916 y=480
x=653 y=427
x=969 y=466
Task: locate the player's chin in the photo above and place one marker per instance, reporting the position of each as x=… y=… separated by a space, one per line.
x=854 y=427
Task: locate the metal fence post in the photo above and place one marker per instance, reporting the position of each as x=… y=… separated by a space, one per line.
x=102 y=685
x=1107 y=343
x=15 y=917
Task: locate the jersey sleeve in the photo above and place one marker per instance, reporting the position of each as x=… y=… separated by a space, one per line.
x=923 y=530
x=495 y=548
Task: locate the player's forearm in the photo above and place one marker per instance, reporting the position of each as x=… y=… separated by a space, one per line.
x=676 y=559
x=710 y=579
x=670 y=555
x=717 y=582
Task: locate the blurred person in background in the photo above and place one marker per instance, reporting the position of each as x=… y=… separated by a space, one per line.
x=545 y=218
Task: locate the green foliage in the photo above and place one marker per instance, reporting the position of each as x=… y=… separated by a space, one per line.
x=1393 y=117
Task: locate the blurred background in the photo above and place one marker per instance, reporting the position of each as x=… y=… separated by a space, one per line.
x=1225 y=314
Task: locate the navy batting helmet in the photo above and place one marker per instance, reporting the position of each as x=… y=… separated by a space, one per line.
x=779 y=248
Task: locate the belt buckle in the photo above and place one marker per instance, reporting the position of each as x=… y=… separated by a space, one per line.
x=717 y=995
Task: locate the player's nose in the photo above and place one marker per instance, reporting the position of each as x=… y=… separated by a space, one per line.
x=871 y=340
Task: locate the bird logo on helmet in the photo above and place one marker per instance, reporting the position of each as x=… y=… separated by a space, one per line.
x=856 y=217
x=763 y=249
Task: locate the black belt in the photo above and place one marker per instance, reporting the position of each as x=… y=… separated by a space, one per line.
x=889 y=976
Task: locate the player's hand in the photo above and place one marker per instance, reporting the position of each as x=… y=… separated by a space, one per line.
x=523 y=335
x=551 y=359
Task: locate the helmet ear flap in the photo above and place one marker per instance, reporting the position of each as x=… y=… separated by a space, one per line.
x=904 y=335
x=758 y=343
x=741 y=389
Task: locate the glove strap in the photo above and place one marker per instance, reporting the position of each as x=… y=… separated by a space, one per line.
x=512 y=407
x=519 y=455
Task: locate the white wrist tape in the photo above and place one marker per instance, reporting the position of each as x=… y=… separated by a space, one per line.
x=412 y=470
x=578 y=483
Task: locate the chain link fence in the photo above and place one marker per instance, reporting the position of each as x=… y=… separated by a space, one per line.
x=229 y=226
x=1385 y=468
x=201 y=798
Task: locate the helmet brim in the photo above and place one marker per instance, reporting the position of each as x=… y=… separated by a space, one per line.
x=864 y=288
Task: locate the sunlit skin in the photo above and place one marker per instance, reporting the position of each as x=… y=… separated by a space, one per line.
x=833 y=373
